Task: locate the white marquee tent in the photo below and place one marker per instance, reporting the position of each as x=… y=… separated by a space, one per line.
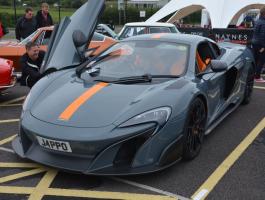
x=222 y=12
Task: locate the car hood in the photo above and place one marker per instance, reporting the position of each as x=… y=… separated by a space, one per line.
x=62 y=51
x=100 y=108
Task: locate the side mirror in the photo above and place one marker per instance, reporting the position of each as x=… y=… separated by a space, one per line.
x=79 y=38
x=218 y=65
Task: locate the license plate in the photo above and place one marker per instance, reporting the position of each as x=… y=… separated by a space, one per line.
x=54 y=144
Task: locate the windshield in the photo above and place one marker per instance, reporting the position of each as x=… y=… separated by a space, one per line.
x=29 y=38
x=136 y=58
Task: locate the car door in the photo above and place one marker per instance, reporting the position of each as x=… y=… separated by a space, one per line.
x=213 y=81
x=62 y=51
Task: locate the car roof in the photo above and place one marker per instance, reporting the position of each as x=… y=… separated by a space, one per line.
x=150 y=24
x=170 y=37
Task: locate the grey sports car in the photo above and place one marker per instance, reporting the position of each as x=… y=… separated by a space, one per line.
x=138 y=107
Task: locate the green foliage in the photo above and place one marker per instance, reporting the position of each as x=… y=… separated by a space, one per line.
x=5 y=2
x=111 y=12
x=194 y=18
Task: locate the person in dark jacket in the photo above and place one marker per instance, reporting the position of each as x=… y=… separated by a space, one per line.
x=43 y=16
x=26 y=25
x=258 y=43
x=30 y=64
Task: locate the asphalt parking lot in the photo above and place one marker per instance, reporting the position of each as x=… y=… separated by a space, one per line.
x=231 y=164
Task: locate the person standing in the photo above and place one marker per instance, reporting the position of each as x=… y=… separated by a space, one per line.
x=43 y=16
x=26 y=25
x=258 y=43
x=30 y=64
x=1 y=30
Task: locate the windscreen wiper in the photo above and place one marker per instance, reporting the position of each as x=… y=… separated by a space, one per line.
x=132 y=79
x=126 y=80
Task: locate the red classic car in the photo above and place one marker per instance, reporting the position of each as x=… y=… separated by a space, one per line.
x=7 y=77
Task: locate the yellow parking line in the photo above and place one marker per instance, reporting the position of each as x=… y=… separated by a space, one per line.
x=43 y=185
x=104 y=195
x=9 y=139
x=83 y=193
x=15 y=190
x=9 y=121
x=22 y=175
x=19 y=165
x=14 y=100
x=10 y=105
x=258 y=87
x=217 y=175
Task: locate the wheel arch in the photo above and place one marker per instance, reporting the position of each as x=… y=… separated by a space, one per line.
x=204 y=100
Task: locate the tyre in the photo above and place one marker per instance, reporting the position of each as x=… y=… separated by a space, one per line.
x=249 y=86
x=194 y=129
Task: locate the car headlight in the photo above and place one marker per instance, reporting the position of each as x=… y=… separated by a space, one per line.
x=159 y=115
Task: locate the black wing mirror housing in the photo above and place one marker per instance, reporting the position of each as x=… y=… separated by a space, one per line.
x=79 y=38
x=218 y=66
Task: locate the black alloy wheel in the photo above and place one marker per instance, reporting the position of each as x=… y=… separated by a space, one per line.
x=194 y=130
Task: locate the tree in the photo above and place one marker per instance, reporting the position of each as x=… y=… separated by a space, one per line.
x=5 y=2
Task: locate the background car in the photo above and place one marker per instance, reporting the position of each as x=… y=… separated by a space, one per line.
x=14 y=50
x=7 y=77
x=106 y=30
x=139 y=28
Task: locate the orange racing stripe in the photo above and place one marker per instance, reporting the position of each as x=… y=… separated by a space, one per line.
x=73 y=107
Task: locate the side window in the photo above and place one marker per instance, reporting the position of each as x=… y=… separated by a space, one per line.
x=39 y=40
x=216 y=49
x=159 y=30
x=46 y=38
x=204 y=55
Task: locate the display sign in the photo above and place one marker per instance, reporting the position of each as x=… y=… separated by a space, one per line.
x=120 y=4
x=239 y=36
x=142 y=13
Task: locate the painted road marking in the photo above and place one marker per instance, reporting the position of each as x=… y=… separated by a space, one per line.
x=14 y=100
x=19 y=165
x=146 y=187
x=15 y=190
x=6 y=140
x=6 y=150
x=43 y=185
x=218 y=174
x=9 y=121
x=258 y=87
x=83 y=193
x=105 y=195
x=11 y=105
x=201 y=194
x=22 y=175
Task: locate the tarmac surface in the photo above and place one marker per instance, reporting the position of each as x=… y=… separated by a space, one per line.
x=231 y=164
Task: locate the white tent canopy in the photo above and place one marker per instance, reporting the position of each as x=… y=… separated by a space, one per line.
x=222 y=12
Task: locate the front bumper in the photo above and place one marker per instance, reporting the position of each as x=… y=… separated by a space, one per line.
x=134 y=150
